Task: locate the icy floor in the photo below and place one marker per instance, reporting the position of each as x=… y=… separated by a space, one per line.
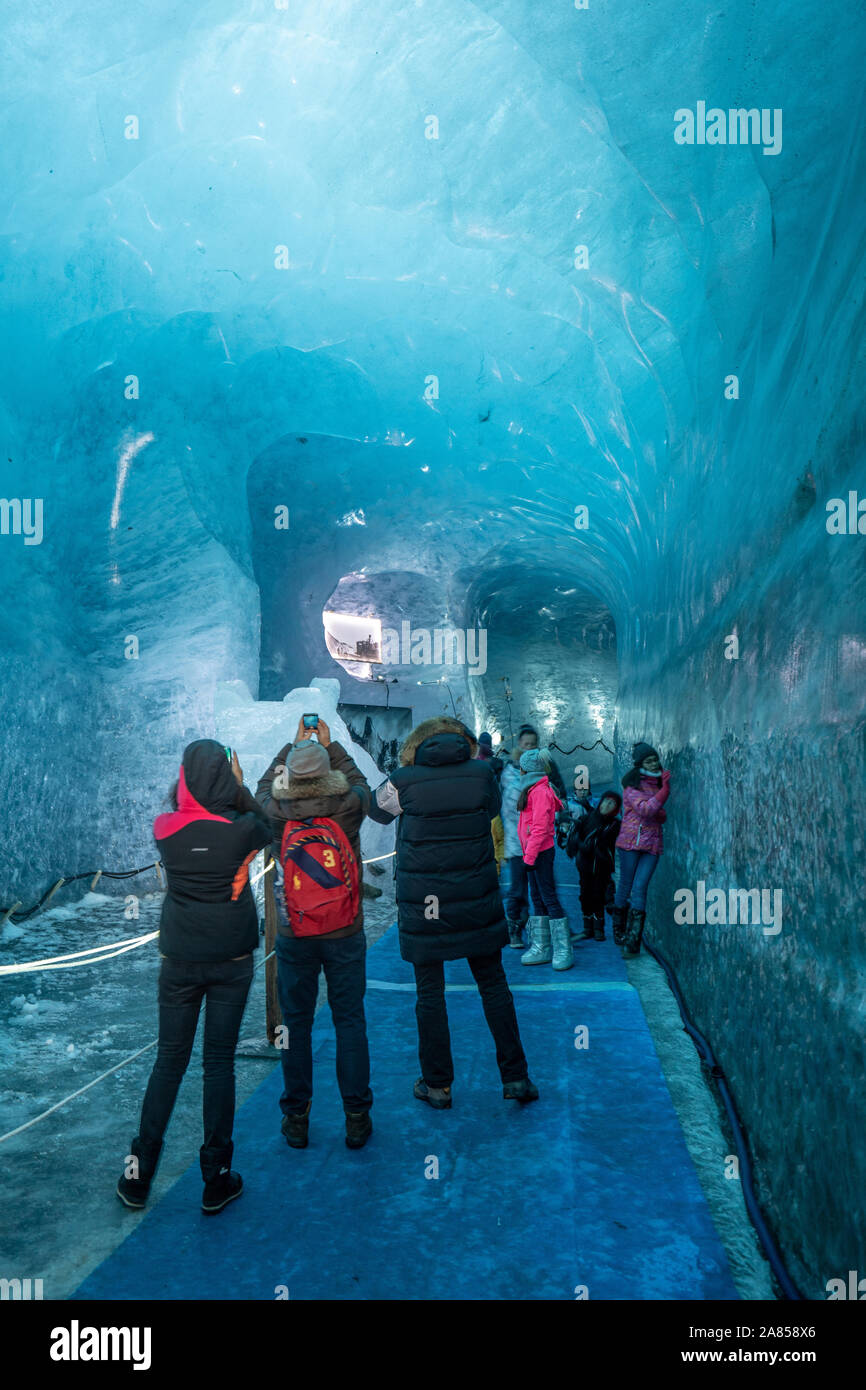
x=62 y=1028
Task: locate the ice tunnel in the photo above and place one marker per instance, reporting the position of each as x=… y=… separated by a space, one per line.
x=444 y=315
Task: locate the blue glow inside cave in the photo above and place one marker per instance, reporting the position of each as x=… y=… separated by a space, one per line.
x=286 y=290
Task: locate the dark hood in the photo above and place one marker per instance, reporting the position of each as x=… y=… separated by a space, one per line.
x=595 y=821
x=208 y=777
x=442 y=749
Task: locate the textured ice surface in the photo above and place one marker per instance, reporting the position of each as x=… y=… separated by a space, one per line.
x=449 y=262
x=259 y=729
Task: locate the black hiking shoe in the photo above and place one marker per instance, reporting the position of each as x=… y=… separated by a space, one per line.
x=359 y=1127
x=296 y=1128
x=524 y=1091
x=437 y=1096
x=133 y=1192
x=220 y=1191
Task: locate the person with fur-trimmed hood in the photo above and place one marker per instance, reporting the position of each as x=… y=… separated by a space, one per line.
x=448 y=900
x=320 y=780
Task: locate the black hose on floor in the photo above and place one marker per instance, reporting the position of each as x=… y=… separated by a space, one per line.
x=756 y=1216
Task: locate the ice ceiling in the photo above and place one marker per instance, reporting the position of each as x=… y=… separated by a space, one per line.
x=326 y=256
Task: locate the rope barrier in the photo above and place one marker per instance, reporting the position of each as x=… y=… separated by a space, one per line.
x=110 y=949
x=12 y=914
x=91 y=956
x=111 y=1070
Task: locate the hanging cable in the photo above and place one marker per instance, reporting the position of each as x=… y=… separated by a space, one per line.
x=15 y=916
x=586 y=747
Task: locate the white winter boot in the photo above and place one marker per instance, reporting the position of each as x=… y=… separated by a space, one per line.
x=539 y=952
x=560 y=936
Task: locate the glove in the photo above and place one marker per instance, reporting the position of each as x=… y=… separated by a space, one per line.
x=666 y=776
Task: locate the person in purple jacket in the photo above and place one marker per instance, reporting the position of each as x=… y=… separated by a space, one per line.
x=646 y=787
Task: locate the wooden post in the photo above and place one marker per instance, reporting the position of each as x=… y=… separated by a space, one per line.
x=96 y=877
x=59 y=884
x=273 y=1014
x=8 y=913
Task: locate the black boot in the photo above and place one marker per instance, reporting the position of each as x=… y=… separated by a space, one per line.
x=634 y=932
x=524 y=1091
x=140 y=1165
x=515 y=935
x=296 y=1128
x=618 y=917
x=588 y=928
x=221 y=1185
x=359 y=1127
x=599 y=926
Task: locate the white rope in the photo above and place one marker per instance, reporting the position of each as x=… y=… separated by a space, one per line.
x=91 y=956
x=378 y=857
x=262 y=874
x=110 y=1072
x=51 y=1109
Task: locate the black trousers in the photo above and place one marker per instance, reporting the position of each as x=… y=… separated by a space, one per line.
x=183 y=986
x=593 y=891
x=434 y=1039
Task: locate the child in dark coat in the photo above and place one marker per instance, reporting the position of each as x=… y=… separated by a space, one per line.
x=591 y=843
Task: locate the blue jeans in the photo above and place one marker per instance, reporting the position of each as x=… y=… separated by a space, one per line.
x=545 y=900
x=636 y=868
x=517 y=894
x=299 y=960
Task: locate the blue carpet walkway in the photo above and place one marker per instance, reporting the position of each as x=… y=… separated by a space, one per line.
x=590 y=1188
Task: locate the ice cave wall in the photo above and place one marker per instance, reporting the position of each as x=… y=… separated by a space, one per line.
x=453 y=259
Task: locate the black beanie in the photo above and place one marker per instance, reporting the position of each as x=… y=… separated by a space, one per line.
x=640 y=752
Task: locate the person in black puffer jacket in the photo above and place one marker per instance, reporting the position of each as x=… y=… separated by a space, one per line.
x=591 y=843
x=449 y=905
x=208 y=931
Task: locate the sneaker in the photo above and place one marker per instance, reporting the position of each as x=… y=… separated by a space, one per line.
x=296 y=1128
x=220 y=1191
x=437 y=1096
x=359 y=1127
x=524 y=1091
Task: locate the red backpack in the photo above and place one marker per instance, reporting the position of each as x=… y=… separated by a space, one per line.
x=320 y=877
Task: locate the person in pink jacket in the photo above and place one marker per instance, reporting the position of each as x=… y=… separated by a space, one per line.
x=537 y=805
x=646 y=787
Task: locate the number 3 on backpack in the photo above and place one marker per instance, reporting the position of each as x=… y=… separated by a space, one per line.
x=322 y=888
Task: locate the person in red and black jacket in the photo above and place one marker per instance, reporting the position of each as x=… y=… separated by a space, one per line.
x=207 y=935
